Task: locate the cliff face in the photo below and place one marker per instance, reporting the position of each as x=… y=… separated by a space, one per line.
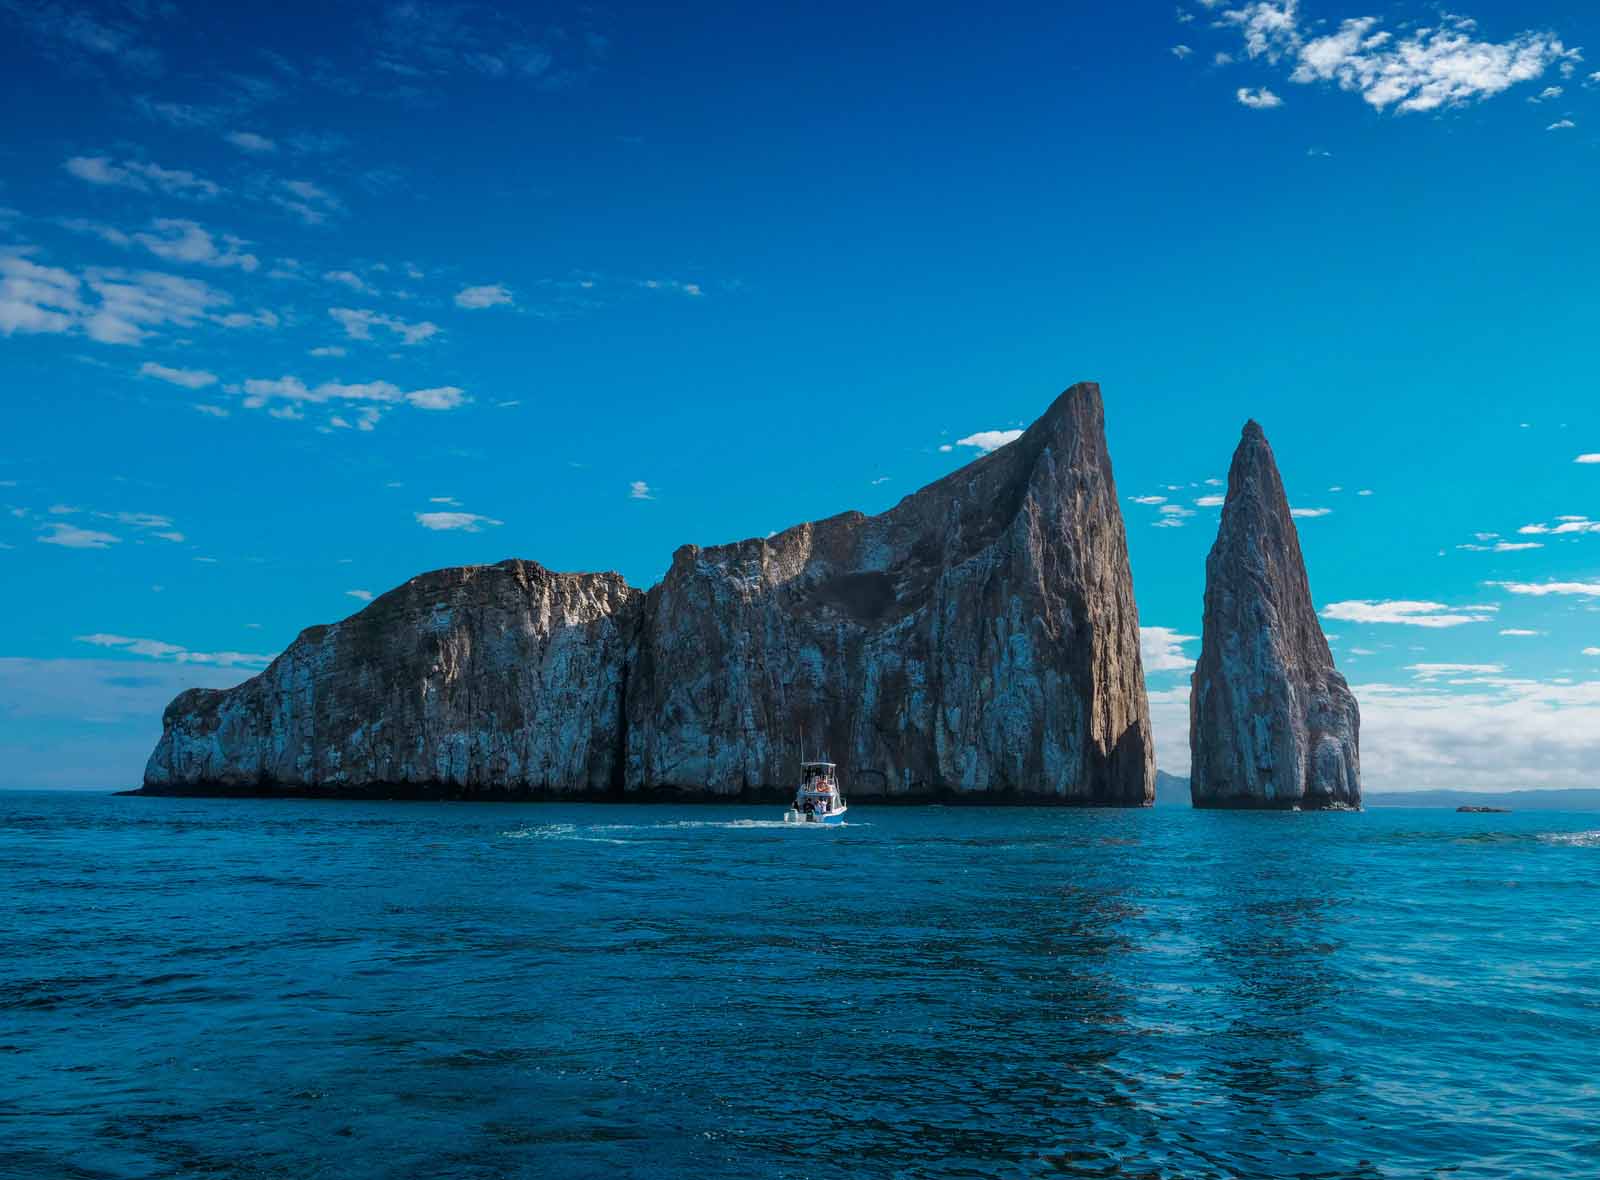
x=979 y=640
x=506 y=676
x=1272 y=723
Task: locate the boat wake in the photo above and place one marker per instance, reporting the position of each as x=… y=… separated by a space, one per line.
x=1572 y=839
x=622 y=833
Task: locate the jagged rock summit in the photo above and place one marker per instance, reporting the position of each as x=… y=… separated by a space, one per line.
x=978 y=641
x=1272 y=723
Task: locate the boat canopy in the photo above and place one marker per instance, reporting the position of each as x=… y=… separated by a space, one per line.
x=816 y=766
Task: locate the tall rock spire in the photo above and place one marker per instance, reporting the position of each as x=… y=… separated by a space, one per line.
x=1272 y=723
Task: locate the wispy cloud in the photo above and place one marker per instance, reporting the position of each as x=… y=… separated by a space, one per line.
x=250 y=141
x=1435 y=671
x=177 y=240
x=490 y=295
x=639 y=490
x=311 y=203
x=464 y=522
x=70 y=536
x=1408 y=613
x=358 y=325
x=261 y=392
x=188 y=378
x=156 y=649
x=1547 y=589
x=135 y=174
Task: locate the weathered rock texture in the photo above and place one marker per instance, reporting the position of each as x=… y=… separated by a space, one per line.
x=1272 y=723
x=502 y=676
x=977 y=641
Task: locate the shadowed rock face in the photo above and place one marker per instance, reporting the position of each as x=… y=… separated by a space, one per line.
x=1272 y=723
x=977 y=641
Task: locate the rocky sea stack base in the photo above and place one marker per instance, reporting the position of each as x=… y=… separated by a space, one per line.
x=1272 y=723
x=978 y=642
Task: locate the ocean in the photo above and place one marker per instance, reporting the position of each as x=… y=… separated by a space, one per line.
x=303 y=990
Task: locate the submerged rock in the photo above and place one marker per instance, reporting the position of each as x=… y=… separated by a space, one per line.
x=977 y=641
x=1272 y=723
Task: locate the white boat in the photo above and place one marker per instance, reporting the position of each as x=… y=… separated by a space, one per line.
x=818 y=800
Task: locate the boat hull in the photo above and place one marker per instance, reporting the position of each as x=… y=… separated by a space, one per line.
x=832 y=819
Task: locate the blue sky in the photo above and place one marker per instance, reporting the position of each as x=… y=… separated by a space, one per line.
x=298 y=301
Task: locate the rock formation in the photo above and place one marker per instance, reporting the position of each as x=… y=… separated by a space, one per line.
x=1272 y=723
x=978 y=641
x=487 y=677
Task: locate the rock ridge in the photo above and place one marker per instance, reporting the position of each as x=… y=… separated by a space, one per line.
x=977 y=642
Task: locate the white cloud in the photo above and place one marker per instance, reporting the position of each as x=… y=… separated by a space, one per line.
x=310 y=203
x=249 y=141
x=134 y=304
x=1591 y=651
x=349 y=278
x=1181 y=51
x=1408 y=613
x=1520 y=631
x=1561 y=125
x=1169 y=723
x=211 y=411
x=330 y=350
x=1176 y=511
x=259 y=392
x=358 y=325
x=177 y=240
x=100 y=170
x=639 y=490
x=1593 y=457
x=188 y=378
x=1544 y=589
x=1434 y=671
x=1420 y=68
x=363 y=595
x=1149 y=499
x=1257 y=99
x=489 y=295
x=1310 y=513
x=989 y=440
x=155 y=649
x=70 y=536
x=466 y=522
x=1161 y=650
x=1211 y=501
x=37 y=299
x=1488 y=733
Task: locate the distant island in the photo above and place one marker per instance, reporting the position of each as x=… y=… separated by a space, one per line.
x=1172 y=790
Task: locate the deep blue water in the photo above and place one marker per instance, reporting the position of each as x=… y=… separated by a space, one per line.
x=314 y=990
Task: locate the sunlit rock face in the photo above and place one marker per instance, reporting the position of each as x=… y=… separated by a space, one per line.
x=483 y=677
x=1272 y=723
x=977 y=641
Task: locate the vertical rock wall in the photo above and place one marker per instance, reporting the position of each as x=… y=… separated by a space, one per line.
x=1272 y=722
